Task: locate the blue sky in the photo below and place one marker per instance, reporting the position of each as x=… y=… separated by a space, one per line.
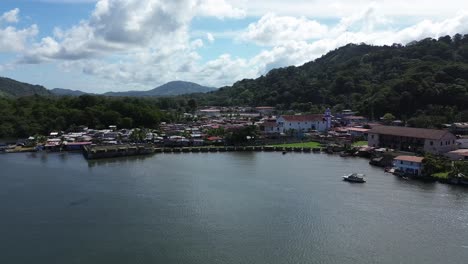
x=103 y=45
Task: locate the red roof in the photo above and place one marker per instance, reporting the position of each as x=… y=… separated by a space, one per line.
x=269 y=124
x=410 y=158
x=303 y=118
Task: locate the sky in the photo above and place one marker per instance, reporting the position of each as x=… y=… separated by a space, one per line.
x=119 y=45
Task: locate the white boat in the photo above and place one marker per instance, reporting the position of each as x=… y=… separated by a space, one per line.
x=355 y=177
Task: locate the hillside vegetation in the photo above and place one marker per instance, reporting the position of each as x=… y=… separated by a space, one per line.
x=12 y=88
x=424 y=82
x=25 y=116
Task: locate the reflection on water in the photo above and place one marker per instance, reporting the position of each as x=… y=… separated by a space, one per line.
x=121 y=160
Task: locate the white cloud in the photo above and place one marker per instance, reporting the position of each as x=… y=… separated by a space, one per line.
x=272 y=29
x=10 y=16
x=342 y=8
x=210 y=37
x=138 y=44
x=127 y=26
x=15 y=40
x=219 y=9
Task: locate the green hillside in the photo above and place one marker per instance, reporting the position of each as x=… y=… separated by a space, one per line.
x=12 y=88
x=425 y=80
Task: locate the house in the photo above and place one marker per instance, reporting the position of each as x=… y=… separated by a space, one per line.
x=459 y=128
x=462 y=142
x=412 y=139
x=411 y=165
x=459 y=154
x=358 y=132
x=304 y=123
x=269 y=127
x=265 y=110
x=352 y=119
x=210 y=112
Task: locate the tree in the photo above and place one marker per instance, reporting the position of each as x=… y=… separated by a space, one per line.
x=388 y=118
x=126 y=122
x=192 y=104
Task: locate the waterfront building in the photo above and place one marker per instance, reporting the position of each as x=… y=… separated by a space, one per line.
x=210 y=112
x=409 y=164
x=412 y=139
x=352 y=119
x=462 y=142
x=304 y=123
x=265 y=110
x=269 y=127
x=459 y=128
x=358 y=132
x=459 y=154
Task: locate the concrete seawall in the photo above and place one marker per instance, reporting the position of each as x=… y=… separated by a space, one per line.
x=115 y=151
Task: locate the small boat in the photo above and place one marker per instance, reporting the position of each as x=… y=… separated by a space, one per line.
x=284 y=152
x=405 y=178
x=355 y=177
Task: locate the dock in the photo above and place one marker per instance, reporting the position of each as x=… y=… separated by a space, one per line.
x=115 y=151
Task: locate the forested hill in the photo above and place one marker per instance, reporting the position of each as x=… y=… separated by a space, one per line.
x=427 y=79
x=12 y=88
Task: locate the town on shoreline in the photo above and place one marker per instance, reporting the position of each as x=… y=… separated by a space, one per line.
x=437 y=154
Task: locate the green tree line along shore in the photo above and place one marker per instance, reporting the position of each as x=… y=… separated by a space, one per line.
x=25 y=116
x=424 y=83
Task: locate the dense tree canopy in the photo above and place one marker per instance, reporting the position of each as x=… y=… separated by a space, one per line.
x=27 y=116
x=424 y=80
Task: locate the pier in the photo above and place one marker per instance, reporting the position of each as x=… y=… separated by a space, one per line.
x=115 y=151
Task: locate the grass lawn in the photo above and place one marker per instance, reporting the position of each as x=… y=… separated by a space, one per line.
x=360 y=143
x=441 y=175
x=311 y=144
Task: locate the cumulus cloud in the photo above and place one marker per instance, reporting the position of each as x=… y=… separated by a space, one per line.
x=219 y=9
x=15 y=40
x=342 y=8
x=117 y=26
x=272 y=30
x=128 y=25
x=210 y=37
x=142 y=43
x=10 y=16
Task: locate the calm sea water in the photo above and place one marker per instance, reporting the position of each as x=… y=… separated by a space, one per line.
x=223 y=208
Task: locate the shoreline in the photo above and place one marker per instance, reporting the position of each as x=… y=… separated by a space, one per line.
x=113 y=153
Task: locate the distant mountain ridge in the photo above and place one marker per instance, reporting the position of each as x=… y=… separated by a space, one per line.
x=173 y=88
x=67 y=92
x=13 y=88
x=169 y=89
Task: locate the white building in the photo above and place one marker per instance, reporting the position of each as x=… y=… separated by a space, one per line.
x=211 y=112
x=409 y=164
x=304 y=123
